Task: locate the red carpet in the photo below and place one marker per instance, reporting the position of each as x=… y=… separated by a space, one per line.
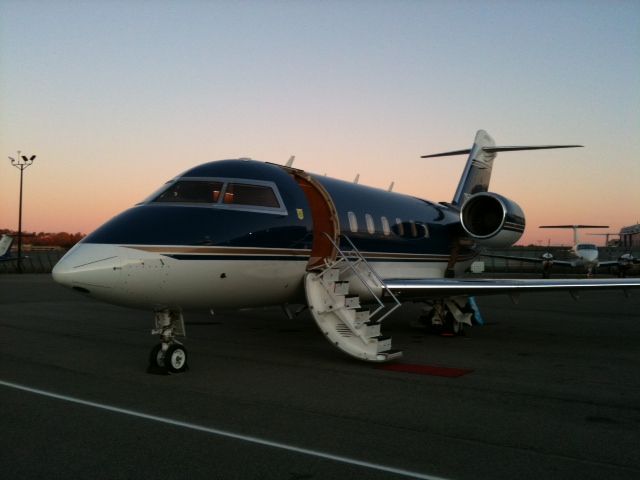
x=426 y=369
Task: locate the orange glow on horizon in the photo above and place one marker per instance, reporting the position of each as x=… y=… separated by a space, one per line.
x=53 y=202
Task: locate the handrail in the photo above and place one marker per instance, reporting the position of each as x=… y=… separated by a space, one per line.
x=344 y=256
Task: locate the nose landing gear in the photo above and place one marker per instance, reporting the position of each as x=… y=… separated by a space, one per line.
x=169 y=356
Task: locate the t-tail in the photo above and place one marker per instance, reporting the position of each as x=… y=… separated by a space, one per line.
x=477 y=171
x=575 y=229
x=490 y=219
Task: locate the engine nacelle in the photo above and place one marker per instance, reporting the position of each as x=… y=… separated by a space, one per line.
x=492 y=220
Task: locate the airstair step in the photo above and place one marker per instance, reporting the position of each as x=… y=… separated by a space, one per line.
x=391 y=354
x=384 y=343
x=372 y=329
x=341 y=287
x=352 y=301
x=331 y=275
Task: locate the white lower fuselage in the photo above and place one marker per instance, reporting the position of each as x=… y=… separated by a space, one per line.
x=135 y=277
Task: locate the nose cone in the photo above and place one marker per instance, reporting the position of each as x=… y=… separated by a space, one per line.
x=89 y=268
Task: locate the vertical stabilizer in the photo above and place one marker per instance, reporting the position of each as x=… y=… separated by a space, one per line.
x=5 y=245
x=477 y=171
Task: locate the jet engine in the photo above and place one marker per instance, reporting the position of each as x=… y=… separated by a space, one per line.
x=492 y=220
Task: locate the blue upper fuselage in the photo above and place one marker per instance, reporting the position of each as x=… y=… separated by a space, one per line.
x=153 y=223
x=384 y=221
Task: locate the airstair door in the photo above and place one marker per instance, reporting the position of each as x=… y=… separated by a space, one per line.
x=325 y=220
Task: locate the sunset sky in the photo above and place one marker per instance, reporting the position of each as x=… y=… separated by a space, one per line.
x=117 y=97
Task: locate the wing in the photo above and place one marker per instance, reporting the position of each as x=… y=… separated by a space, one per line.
x=564 y=263
x=448 y=287
x=608 y=263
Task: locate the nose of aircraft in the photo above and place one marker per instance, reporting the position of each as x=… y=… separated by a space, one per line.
x=88 y=267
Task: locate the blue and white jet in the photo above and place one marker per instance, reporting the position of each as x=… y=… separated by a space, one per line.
x=240 y=233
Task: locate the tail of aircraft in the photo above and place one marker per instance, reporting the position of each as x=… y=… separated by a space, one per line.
x=575 y=229
x=477 y=171
x=5 y=245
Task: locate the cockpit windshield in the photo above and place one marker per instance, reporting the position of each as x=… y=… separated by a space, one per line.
x=586 y=246
x=259 y=195
x=248 y=195
x=191 y=191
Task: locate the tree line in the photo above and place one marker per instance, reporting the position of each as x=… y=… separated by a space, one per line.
x=47 y=239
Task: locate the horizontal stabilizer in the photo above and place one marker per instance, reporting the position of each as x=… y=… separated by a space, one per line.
x=574 y=226
x=448 y=154
x=500 y=149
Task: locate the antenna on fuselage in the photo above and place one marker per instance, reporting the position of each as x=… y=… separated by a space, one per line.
x=290 y=161
x=390 y=187
x=355 y=180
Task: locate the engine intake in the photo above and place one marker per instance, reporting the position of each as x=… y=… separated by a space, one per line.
x=492 y=220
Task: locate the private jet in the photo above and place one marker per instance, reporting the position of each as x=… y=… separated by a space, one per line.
x=241 y=233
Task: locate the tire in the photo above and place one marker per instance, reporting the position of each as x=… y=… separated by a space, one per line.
x=156 y=358
x=175 y=358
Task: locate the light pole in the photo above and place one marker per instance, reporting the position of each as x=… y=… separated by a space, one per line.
x=21 y=163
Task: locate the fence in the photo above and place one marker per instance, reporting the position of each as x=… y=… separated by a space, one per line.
x=34 y=262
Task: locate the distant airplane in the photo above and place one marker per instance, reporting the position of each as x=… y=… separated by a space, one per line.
x=241 y=233
x=5 y=248
x=585 y=255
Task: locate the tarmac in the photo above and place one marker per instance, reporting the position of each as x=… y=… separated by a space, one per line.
x=548 y=388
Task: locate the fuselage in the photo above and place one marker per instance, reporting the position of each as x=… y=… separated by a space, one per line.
x=242 y=233
x=586 y=255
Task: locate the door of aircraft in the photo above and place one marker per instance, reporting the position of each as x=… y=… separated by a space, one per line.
x=325 y=219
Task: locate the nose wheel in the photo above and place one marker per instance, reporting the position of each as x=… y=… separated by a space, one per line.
x=168 y=356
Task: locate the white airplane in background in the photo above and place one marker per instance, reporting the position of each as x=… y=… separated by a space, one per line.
x=5 y=248
x=241 y=233
x=585 y=255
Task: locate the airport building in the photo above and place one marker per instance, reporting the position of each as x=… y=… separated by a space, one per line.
x=630 y=237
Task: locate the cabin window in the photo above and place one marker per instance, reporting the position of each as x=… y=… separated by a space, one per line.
x=191 y=191
x=399 y=227
x=257 y=195
x=422 y=230
x=371 y=228
x=353 y=222
x=414 y=229
x=385 y=225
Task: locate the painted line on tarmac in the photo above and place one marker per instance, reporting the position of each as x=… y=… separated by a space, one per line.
x=223 y=433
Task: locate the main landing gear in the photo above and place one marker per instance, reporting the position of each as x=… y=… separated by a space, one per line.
x=448 y=317
x=169 y=356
